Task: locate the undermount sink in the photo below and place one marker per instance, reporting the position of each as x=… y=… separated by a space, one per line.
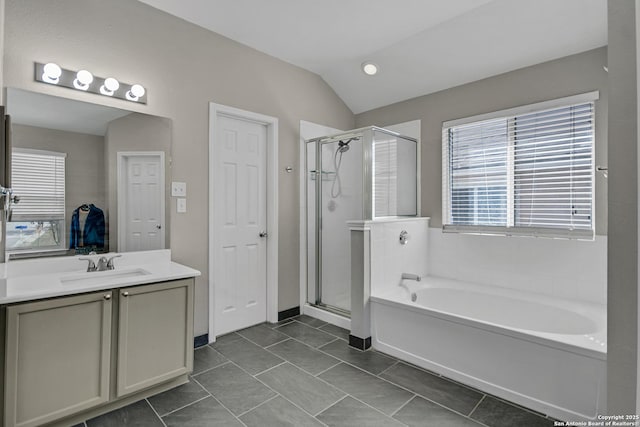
x=100 y=277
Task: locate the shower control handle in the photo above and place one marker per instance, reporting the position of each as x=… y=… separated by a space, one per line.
x=263 y=234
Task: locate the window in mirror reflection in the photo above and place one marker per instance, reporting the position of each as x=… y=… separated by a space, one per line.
x=38 y=219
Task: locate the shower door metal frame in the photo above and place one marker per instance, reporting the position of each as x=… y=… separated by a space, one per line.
x=366 y=135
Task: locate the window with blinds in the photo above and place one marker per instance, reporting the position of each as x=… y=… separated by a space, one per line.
x=527 y=172
x=37 y=177
x=38 y=219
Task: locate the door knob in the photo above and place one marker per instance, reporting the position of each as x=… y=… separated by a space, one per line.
x=263 y=234
x=158 y=226
x=107 y=296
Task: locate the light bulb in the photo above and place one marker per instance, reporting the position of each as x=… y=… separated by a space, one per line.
x=51 y=73
x=369 y=68
x=110 y=86
x=135 y=92
x=83 y=79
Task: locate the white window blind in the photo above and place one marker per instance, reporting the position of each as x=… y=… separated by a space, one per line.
x=38 y=179
x=385 y=177
x=527 y=173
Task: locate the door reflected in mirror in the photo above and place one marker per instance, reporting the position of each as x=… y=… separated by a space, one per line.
x=89 y=178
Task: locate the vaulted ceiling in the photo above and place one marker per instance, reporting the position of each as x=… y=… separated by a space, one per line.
x=420 y=46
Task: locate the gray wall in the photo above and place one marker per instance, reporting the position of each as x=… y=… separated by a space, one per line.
x=555 y=79
x=84 y=165
x=622 y=272
x=136 y=132
x=183 y=67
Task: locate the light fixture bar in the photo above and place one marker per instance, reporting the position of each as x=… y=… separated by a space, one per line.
x=79 y=80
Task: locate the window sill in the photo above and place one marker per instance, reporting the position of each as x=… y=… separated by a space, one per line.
x=36 y=253
x=550 y=233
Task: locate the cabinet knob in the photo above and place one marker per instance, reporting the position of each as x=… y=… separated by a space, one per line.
x=125 y=294
x=107 y=296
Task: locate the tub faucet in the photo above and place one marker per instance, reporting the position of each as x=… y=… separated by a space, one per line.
x=409 y=276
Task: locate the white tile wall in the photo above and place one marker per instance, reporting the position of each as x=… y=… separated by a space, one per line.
x=389 y=259
x=571 y=269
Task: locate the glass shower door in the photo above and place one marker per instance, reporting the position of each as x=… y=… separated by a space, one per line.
x=340 y=201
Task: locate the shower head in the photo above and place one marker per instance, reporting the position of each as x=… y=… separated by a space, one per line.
x=343 y=147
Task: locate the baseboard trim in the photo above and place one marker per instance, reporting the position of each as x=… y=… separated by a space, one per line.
x=359 y=343
x=286 y=314
x=200 y=340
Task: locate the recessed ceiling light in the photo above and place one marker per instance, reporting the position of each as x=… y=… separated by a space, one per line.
x=369 y=68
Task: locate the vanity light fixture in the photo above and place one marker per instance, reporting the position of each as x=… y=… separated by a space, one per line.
x=135 y=92
x=51 y=73
x=110 y=86
x=369 y=68
x=83 y=80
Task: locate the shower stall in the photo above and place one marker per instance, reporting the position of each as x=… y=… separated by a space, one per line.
x=361 y=174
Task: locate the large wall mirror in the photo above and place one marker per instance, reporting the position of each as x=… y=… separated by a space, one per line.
x=89 y=178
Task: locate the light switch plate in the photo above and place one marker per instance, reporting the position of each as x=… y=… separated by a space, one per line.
x=178 y=189
x=182 y=205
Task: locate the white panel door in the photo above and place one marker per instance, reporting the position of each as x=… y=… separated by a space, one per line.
x=144 y=201
x=240 y=252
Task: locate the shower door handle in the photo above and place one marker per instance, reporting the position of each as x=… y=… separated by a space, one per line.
x=263 y=234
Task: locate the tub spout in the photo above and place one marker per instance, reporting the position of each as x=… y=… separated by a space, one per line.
x=409 y=276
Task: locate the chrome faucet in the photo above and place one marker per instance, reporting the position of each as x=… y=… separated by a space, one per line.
x=91 y=266
x=110 y=265
x=103 y=264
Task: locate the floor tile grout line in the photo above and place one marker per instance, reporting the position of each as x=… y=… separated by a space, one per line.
x=287 y=360
x=358 y=400
x=352 y=396
x=408 y=364
x=319 y=330
x=275 y=391
x=403 y=405
x=286 y=338
x=333 y=404
x=221 y=404
x=331 y=333
x=259 y=405
x=396 y=362
x=210 y=369
x=263 y=346
x=386 y=369
x=476 y=406
x=426 y=398
x=187 y=405
x=311 y=348
x=437 y=375
x=340 y=362
x=268 y=369
x=515 y=405
x=155 y=412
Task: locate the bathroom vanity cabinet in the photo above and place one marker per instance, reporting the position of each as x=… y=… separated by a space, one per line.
x=72 y=357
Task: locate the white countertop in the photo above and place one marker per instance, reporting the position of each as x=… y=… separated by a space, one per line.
x=27 y=280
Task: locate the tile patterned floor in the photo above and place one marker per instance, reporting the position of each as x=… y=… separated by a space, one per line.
x=301 y=372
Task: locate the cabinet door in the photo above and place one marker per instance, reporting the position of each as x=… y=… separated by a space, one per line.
x=155 y=334
x=58 y=358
